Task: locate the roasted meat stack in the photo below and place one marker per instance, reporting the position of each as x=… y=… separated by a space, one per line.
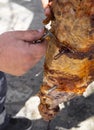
x=69 y=63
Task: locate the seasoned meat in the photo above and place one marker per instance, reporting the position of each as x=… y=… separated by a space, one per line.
x=69 y=62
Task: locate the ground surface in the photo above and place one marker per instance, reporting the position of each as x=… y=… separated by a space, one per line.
x=78 y=114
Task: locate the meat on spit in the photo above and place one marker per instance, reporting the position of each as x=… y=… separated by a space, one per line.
x=69 y=62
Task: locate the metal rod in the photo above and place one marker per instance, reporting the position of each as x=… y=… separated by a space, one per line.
x=48 y=126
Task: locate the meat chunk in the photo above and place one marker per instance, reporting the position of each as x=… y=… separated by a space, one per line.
x=69 y=62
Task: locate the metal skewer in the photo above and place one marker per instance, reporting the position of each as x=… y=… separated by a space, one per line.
x=47 y=34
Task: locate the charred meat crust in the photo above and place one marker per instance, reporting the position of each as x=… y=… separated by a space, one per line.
x=69 y=63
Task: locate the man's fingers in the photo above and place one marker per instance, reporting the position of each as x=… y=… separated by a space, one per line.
x=29 y=35
x=44 y=3
x=47 y=9
x=38 y=49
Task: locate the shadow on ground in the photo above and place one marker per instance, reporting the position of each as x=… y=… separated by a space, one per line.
x=79 y=109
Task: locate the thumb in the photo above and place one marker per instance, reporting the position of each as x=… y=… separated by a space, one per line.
x=29 y=35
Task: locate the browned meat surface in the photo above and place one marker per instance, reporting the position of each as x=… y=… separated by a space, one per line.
x=69 y=63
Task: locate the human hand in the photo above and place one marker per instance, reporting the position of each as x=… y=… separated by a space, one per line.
x=17 y=53
x=46 y=5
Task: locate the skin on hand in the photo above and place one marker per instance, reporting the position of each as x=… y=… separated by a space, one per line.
x=17 y=53
x=46 y=4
